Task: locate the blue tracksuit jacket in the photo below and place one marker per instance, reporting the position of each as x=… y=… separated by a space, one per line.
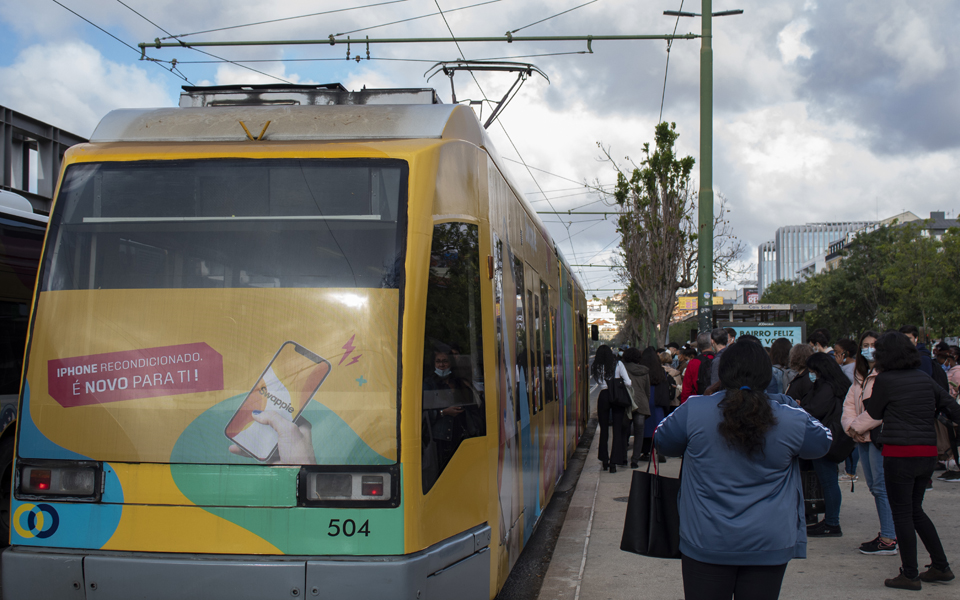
x=735 y=509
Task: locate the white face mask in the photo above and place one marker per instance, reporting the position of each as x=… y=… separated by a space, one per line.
x=442 y=372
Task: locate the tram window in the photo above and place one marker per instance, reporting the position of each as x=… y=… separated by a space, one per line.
x=229 y=223
x=547 y=344
x=522 y=369
x=453 y=394
x=20 y=244
x=539 y=384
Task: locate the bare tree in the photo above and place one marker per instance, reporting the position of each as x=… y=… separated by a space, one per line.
x=658 y=226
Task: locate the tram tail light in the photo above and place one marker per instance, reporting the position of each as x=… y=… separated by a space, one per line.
x=371 y=485
x=70 y=480
x=340 y=487
x=40 y=479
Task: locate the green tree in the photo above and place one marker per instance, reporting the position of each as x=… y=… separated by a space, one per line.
x=657 y=224
x=888 y=277
x=785 y=291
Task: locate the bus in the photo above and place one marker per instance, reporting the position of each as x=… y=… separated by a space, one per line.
x=291 y=342
x=21 y=240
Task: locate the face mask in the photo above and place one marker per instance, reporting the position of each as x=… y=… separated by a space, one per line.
x=676 y=361
x=442 y=372
x=813 y=376
x=868 y=353
x=944 y=367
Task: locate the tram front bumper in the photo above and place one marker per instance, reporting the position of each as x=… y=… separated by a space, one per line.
x=458 y=567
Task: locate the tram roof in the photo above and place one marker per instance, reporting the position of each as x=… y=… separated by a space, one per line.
x=304 y=123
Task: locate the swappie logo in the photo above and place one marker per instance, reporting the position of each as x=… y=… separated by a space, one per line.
x=42 y=520
x=276 y=401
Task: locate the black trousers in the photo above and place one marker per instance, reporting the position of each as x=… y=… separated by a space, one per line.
x=619 y=441
x=706 y=581
x=906 y=480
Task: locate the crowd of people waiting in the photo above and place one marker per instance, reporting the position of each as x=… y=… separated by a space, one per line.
x=744 y=418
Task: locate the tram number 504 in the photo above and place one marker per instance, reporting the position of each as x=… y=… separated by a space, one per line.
x=348 y=528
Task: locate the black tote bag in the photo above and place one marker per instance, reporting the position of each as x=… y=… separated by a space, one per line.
x=652 y=525
x=619 y=396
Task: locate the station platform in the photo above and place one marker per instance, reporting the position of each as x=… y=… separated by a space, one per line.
x=588 y=564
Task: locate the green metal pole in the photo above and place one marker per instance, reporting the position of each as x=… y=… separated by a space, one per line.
x=705 y=239
x=335 y=41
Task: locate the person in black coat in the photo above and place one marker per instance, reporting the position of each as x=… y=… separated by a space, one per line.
x=908 y=401
x=824 y=402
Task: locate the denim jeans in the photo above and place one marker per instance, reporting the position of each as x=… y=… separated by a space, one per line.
x=850 y=464
x=827 y=474
x=906 y=480
x=872 y=462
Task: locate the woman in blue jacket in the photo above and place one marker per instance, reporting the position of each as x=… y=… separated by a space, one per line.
x=741 y=501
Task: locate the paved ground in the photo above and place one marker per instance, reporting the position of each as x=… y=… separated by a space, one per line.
x=588 y=564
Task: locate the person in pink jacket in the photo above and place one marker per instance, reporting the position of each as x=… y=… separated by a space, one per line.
x=870 y=458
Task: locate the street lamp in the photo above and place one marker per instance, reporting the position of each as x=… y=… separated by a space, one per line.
x=705 y=234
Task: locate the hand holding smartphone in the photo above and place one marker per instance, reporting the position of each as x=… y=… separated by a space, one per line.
x=279 y=397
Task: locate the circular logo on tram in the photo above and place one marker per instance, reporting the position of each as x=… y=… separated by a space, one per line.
x=41 y=520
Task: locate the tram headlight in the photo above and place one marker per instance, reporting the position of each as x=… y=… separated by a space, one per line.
x=342 y=487
x=73 y=480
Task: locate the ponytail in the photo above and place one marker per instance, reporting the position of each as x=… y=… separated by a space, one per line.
x=745 y=372
x=747 y=417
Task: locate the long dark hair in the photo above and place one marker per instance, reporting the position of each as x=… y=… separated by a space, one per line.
x=651 y=360
x=604 y=363
x=745 y=372
x=863 y=366
x=895 y=352
x=830 y=372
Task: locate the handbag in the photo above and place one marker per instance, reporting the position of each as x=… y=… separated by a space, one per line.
x=664 y=393
x=652 y=524
x=619 y=396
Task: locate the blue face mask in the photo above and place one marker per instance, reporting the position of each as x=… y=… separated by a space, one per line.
x=868 y=353
x=813 y=376
x=945 y=367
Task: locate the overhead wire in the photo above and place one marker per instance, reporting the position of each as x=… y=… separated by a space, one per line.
x=326 y=12
x=553 y=16
x=450 y=10
x=502 y=126
x=666 y=69
x=602 y=185
x=155 y=61
x=197 y=49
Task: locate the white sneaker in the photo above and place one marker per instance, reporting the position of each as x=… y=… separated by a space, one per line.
x=848 y=477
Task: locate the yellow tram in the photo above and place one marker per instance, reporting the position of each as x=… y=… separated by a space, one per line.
x=291 y=342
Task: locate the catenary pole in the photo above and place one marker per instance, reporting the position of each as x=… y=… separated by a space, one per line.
x=705 y=238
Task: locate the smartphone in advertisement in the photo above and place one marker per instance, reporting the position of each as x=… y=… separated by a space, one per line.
x=286 y=386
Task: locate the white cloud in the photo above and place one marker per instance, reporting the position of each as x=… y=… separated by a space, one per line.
x=72 y=86
x=790 y=41
x=907 y=39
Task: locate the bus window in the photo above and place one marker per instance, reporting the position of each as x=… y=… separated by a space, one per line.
x=232 y=223
x=453 y=394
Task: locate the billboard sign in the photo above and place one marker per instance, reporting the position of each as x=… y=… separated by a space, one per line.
x=767 y=332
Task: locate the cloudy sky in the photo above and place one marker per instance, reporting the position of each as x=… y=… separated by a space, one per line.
x=824 y=111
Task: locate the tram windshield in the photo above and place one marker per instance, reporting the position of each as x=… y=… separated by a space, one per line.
x=192 y=310
x=228 y=224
